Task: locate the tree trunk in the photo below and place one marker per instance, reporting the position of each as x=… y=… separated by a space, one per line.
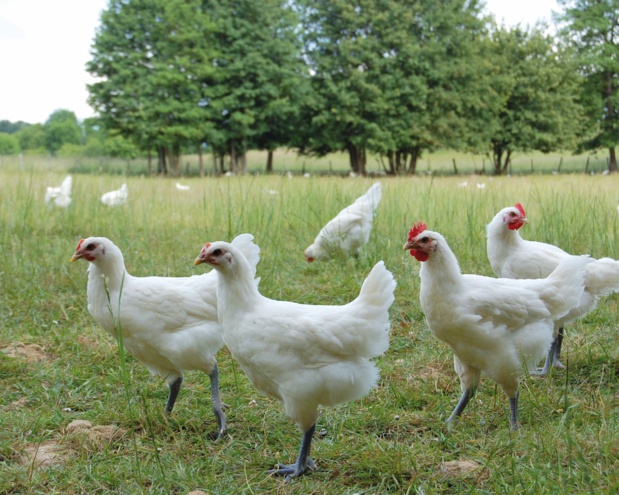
x=501 y=159
x=269 y=169
x=174 y=157
x=414 y=158
x=162 y=168
x=612 y=160
x=233 y=159
x=150 y=161
x=200 y=161
x=610 y=117
x=242 y=161
x=357 y=158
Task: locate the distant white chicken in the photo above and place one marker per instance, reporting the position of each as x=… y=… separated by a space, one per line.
x=117 y=197
x=497 y=327
x=181 y=187
x=513 y=257
x=300 y=354
x=59 y=196
x=168 y=323
x=349 y=231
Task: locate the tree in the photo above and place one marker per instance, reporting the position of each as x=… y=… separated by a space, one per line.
x=254 y=90
x=61 y=128
x=538 y=86
x=153 y=58
x=592 y=27
x=393 y=76
x=32 y=137
x=8 y=144
x=12 y=127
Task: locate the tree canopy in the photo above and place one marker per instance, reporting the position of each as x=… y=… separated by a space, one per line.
x=592 y=27
x=395 y=78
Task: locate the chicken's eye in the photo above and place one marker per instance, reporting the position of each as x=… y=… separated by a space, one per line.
x=217 y=252
x=512 y=214
x=425 y=239
x=90 y=247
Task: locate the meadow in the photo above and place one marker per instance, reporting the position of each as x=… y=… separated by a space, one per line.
x=57 y=366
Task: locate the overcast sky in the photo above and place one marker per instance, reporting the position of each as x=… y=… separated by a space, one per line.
x=45 y=44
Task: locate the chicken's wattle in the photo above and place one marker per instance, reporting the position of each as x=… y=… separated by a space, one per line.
x=419 y=255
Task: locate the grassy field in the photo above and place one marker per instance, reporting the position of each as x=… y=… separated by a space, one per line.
x=57 y=366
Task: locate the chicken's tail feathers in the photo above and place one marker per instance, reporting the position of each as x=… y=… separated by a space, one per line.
x=251 y=251
x=602 y=277
x=566 y=285
x=373 y=195
x=65 y=187
x=378 y=288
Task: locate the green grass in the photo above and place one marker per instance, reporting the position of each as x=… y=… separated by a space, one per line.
x=392 y=441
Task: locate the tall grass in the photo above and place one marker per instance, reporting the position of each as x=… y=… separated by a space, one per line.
x=392 y=441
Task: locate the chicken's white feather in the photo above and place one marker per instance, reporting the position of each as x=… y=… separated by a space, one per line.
x=117 y=197
x=59 y=196
x=304 y=355
x=511 y=256
x=168 y=323
x=495 y=327
x=349 y=231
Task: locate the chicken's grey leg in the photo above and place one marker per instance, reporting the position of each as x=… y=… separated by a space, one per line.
x=218 y=406
x=467 y=395
x=175 y=388
x=303 y=461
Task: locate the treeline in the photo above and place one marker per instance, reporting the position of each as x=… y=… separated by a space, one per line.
x=395 y=78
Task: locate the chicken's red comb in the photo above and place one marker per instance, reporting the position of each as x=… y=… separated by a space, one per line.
x=79 y=244
x=520 y=209
x=416 y=229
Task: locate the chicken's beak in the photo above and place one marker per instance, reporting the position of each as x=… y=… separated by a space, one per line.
x=198 y=261
x=408 y=246
x=524 y=220
x=75 y=257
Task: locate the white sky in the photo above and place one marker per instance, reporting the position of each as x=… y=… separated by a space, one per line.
x=45 y=44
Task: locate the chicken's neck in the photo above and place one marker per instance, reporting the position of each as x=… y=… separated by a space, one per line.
x=109 y=272
x=236 y=289
x=501 y=242
x=441 y=269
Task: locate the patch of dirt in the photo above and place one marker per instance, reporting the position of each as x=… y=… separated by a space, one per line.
x=18 y=404
x=45 y=454
x=460 y=469
x=31 y=352
x=96 y=436
x=82 y=435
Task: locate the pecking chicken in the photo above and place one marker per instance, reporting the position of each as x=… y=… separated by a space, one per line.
x=61 y=195
x=511 y=256
x=117 y=197
x=349 y=231
x=169 y=324
x=302 y=355
x=497 y=327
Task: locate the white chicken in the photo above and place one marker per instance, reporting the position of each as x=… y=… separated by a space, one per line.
x=497 y=327
x=61 y=195
x=182 y=187
x=117 y=197
x=300 y=354
x=511 y=256
x=168 y=323
x=349 y=231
